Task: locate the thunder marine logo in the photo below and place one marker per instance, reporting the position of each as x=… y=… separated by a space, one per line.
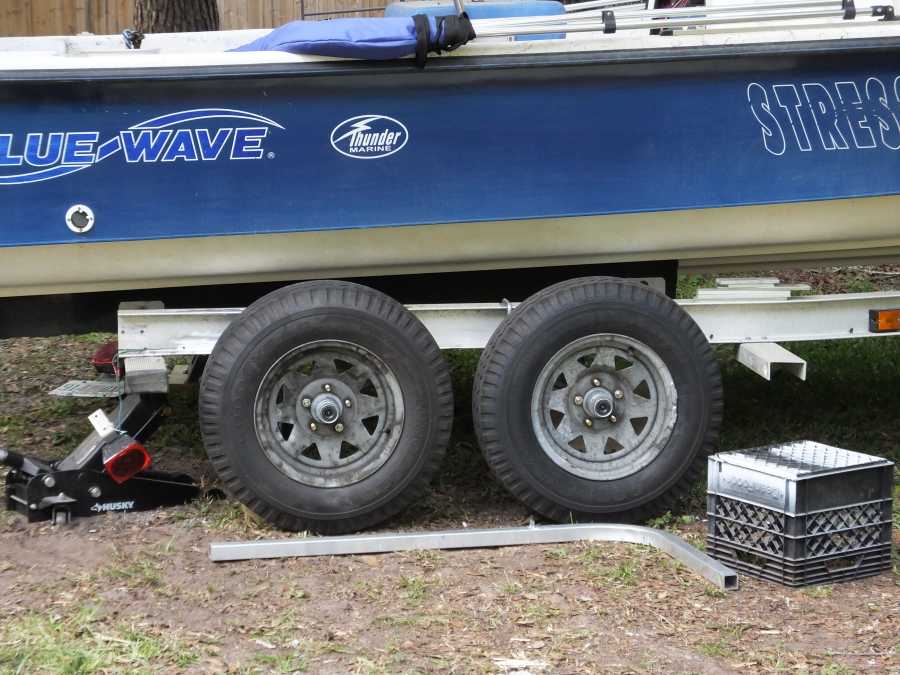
x=369 y=136
x=167 y=138
x=837 y=116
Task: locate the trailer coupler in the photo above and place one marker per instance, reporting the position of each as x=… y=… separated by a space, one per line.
x=108 y=471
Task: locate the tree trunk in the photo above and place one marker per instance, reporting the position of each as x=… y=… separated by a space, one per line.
x=175 y=16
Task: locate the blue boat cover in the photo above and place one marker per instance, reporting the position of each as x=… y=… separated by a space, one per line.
x=373 y=38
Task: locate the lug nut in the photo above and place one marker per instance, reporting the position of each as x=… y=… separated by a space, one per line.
x=588 y=422
x=326 y=387
x=618 y=393
x=313 y=426
x=579 y=399
x=348 y=403
x=339 y=427
x=613 y=419
x=595 y=382
x=306 y=402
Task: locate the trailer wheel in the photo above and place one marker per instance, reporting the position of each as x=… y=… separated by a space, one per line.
x=326 y=406
x=597 y=399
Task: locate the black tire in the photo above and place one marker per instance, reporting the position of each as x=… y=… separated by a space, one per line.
x=537 y=330
x=313 y=313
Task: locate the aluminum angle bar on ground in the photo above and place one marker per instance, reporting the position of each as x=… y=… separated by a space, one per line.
x=712 y=570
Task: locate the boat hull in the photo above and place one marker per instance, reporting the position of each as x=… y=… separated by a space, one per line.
x=716 y=157
x=769 y=236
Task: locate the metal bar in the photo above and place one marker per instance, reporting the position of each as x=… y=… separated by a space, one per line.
x=822 y=317
x=174 y=332
x=696 y=560
x=763 y=358
x=697 y=14
x=603 y=4
x=642 y=24
x=359 y=10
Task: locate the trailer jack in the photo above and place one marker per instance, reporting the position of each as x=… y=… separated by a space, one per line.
x=107 y=472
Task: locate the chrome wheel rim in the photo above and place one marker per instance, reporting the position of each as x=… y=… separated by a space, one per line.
x=329 y=413
x=604 y=407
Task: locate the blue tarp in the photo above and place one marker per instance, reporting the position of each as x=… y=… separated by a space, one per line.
x=373 y=38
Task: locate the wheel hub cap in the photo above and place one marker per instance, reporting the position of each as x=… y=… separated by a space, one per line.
x=604 y=407
x=326 y=409
x=599 y=403
x=329 y=413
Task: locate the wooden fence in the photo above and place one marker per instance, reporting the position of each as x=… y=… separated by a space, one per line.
x=69 y=17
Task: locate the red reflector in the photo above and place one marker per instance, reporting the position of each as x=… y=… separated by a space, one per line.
x=104 y=359
x=127 y=462
x=884 y=320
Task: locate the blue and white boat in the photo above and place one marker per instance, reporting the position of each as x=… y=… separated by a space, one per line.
x=770 y=139
x=729 y=135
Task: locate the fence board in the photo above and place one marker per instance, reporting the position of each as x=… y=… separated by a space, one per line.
x=69 y=17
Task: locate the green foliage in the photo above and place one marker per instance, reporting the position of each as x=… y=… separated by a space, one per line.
x=688 y=284
x=849 y=400
x=414 y=589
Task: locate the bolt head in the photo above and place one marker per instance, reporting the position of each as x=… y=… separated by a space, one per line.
x=595 y=382
x=94 y=492
x=339 y=427
x=618 y=393
x=588 y=422
x=348 y=403
x=326 y=387
x=49 y=481
x=579 y=400
x=306 y=402
x=313 y=426
x=613 y=419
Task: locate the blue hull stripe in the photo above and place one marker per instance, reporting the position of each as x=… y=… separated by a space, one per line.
x=222 y=156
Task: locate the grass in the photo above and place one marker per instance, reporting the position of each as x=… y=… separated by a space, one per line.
x=414 y=589
x=282 y=663
x=83 y=642
x=849 y=400
x=716 y=649
x=135 y=572
x=624 y=573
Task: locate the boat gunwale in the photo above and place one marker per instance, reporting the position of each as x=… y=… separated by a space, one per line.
x=635 y=56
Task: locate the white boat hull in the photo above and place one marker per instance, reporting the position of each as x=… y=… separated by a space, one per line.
x=753 y=237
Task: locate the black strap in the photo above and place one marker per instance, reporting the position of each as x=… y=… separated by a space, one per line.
x=423 y=31
x=886 y=12
x=849 y=8
x=609 y=21
x=454 y=32
x=133 y=38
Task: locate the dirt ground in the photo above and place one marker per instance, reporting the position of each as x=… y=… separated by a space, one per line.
x=137 y=593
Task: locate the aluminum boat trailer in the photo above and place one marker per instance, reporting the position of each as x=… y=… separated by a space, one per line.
x=325 y=418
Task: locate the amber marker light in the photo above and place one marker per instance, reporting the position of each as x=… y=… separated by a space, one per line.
x=884 y=320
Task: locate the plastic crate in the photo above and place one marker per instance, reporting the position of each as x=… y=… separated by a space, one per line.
x=800 y=513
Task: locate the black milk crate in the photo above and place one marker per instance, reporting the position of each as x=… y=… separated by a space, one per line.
x=800 y=513
x=823 y=570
